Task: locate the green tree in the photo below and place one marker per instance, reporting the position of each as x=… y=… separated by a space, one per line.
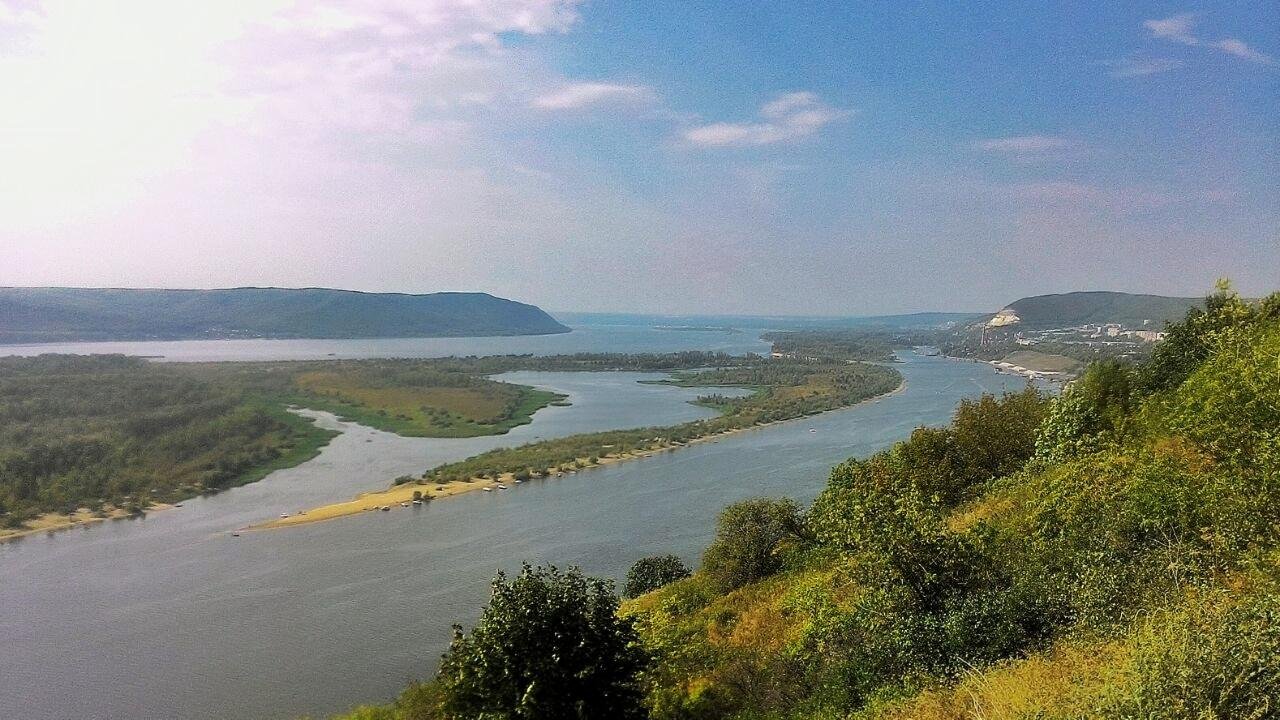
x=550 y=644
x=750 y=536
x=649 y=574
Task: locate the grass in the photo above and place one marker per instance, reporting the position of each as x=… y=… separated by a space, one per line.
x=473 y=408
x=1043 y=362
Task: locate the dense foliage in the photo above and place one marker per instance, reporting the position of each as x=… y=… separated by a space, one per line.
x=750 y=538
x=1109 y=553
x=852 y=344
x=115 y=431
x=650 y=573
x=550 y=644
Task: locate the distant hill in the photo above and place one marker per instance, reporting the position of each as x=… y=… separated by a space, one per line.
x=29 y=315
x=1093 y=308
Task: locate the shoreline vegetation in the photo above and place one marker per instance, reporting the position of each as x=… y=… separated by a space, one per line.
x=799 y=389
x=407 y=492
x=86 y=438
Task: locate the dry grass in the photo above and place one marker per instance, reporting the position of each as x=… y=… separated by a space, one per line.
x=475 y=404
x=1064 y=682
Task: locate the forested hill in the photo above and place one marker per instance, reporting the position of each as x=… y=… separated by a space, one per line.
x=1081 y=308
x=62 y=314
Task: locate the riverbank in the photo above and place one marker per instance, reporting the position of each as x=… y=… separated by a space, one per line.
x=397 y=495
x=83 y=517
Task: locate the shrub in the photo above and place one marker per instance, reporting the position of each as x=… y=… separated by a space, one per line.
x=649 y=574
x=749 y=541
x=550 y=644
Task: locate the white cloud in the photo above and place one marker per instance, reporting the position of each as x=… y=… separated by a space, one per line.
x=788 y=117
x=585 y=94
x=1180 y=28
x=1232 y=46
x=101 y=99
x=1142 y=67
x=1022 y=144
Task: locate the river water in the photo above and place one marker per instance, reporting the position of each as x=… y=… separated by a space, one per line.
x=171 y=617
x=588 y=335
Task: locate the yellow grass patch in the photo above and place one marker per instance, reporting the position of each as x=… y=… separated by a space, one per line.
x=477 y=404
x=1064 y=682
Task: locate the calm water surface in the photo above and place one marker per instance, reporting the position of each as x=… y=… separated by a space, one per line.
x=587 y=336
x=170 y=617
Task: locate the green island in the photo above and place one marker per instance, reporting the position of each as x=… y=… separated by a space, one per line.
x=86 y=438
x=1110 y=552
x=782 y=389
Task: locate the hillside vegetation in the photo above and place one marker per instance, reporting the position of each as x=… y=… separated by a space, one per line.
x=1108 y=553
x=33 y=315
x=1094 y=308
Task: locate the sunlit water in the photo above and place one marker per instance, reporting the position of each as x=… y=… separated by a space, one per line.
x=171 y=617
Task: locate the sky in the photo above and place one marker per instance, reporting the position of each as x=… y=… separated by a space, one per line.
x=663 y=157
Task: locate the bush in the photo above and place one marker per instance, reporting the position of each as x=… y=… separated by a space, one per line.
x=550 y=644
x=649 y=574
x=750 y=536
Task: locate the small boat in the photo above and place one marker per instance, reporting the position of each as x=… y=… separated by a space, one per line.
x=177 y=504
x=813 y=430
x=284 y=515
x=519 y=481
x=404 y=504
x=386 y=508
x=502 y=487
x=488 y=489
x=417 y=502
x=235 y=534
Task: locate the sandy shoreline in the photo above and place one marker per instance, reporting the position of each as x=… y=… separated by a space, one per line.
x=83 y=517
x=393 y=497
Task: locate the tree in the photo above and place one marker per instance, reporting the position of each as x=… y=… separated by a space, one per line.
x=550 y=644
x=651 y=573
x=749 y=537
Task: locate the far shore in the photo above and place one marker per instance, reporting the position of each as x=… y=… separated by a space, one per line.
x=397 y=495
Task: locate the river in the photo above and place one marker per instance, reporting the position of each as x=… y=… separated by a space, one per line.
x=171 y=617
x=588 y=335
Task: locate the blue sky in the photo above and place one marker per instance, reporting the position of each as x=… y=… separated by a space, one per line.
x=805 y=158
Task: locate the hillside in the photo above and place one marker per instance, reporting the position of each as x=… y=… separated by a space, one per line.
x=1095 y=308
x=1113 y=552
x=30 y=315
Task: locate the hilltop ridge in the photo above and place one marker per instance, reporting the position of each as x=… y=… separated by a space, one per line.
x=1094 y=308
x=53 y=314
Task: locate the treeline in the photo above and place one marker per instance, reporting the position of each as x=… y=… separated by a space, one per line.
x=846 y=344
x=1110 y=553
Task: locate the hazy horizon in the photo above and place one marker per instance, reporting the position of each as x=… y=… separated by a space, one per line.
x=662 y=158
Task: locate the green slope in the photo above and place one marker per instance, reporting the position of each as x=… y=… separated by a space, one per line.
x=1081 y=308
x=59 y=314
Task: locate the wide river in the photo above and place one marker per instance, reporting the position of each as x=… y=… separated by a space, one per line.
x=172 y=617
